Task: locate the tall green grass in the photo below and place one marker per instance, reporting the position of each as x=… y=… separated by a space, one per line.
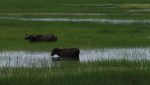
x=59 y=6
x=72 y=73
x=72 y=34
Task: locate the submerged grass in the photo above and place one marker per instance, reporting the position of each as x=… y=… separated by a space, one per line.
x=71 y=73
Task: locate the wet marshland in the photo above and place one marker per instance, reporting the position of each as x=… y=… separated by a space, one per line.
x=39 y=59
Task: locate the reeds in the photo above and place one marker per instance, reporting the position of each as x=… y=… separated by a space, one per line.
x=70 y=72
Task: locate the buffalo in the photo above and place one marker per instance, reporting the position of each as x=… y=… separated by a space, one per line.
x=70 y=53
x=37 y=38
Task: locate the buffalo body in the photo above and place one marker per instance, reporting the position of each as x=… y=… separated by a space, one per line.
x=71 y=53
x=37 y=38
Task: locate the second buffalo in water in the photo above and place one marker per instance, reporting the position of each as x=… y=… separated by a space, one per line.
x=66 y=53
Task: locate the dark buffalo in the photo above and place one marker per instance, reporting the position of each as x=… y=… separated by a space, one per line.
x=37 y=38
x=71 y=53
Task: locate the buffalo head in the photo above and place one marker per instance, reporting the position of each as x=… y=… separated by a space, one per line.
x=55 y=51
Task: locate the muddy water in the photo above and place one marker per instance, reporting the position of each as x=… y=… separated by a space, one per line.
x=40 y=59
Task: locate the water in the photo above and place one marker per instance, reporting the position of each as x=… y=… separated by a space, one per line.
x=40 y=59
x=93 y=20
x=133 y=54
x=24 y=59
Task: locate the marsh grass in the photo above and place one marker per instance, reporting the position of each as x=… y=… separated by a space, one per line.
x=82 y=35
x=69 y=72
x=134 y=5
x=71 y=34
x=59 y=6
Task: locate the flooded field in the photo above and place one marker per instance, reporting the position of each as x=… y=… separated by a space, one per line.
x=39 y=59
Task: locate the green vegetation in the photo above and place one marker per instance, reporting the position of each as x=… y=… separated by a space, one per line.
x=72 y=34
x=72 y=73
x=84 y=35
x=60 y=6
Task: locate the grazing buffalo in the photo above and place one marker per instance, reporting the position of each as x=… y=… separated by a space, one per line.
x=71 y=53
x=37 y=38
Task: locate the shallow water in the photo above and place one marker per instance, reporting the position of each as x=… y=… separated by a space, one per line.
x=93 y=20
x=40 y=59
x=24 y=59
x=133 y=54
